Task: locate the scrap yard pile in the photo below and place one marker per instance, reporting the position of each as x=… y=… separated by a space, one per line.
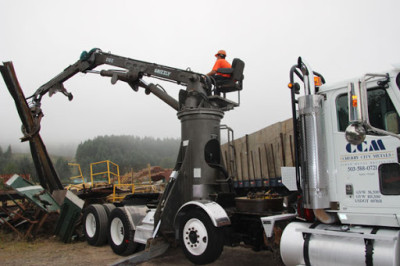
x=29 y=211
x=26 y=209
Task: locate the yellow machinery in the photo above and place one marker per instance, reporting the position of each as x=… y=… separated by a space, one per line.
x=108 y=175
x=103 y=174
x=76 y=186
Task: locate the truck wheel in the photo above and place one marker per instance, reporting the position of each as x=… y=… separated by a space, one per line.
x=202 y=242
x=95 y=225
x=121 y=233
x=108 y=207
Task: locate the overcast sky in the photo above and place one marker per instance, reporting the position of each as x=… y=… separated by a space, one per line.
x=339 y=39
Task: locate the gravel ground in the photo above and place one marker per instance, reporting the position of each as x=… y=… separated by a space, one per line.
x=50 y=251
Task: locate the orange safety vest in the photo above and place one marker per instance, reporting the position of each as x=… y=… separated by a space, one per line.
x=222 y=63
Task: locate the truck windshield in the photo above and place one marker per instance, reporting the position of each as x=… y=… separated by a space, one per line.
x=382 y=113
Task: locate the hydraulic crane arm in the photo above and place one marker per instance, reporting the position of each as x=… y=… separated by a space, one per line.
x=132 y=71
x=196 y=95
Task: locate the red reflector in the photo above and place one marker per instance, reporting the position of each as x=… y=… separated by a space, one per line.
x=309 y=214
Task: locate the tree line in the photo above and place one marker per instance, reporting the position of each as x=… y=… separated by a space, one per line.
x=129 y=152
x=15 y=164
x=22 y=164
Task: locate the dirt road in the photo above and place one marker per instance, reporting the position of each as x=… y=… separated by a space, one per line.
x=53 y=252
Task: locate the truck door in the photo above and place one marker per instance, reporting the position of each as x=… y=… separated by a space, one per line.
x=364 y=173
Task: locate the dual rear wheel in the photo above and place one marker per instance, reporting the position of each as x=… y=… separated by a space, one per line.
x=121 y=233
x=95 y=221
x=200 y=240
x=104 y=223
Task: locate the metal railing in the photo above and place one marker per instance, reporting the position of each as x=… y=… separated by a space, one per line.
x=110 y=174
x=124 y=189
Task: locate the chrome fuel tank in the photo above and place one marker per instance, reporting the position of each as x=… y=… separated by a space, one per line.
x=303 y=244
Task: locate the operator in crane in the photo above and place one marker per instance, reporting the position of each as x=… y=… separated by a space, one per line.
x=220 y=63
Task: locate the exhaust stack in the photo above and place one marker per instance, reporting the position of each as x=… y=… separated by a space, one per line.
x=313 y=156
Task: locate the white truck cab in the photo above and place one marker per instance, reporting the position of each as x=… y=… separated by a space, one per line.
x=364 y=179
x=347 y=170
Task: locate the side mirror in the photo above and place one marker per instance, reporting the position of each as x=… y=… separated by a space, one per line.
x=358 y=111
x=358 y=114
x=355 y=134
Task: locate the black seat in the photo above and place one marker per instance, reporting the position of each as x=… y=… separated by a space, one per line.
x=235 y=82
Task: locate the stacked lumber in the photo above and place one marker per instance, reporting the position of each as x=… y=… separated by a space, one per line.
x=156 y=173
x=260 y=155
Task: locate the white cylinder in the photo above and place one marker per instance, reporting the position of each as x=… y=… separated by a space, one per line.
x=332 y=246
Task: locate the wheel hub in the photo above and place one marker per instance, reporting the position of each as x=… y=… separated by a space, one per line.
x=90 y=225
x=195 y=236
x=117 y=231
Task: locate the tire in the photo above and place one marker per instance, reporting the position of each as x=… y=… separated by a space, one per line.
x=201 y=241
x=95 y=224
x=108 y=207
x=121 y=233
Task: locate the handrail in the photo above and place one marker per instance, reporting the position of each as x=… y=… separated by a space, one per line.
x=109 y=173
x=115 y=197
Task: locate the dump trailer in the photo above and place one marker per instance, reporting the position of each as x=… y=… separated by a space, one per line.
x=338 y=204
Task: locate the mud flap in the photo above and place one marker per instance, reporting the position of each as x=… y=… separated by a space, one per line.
x=154 y=248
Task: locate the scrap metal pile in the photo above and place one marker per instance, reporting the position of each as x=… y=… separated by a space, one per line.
x=25 y=207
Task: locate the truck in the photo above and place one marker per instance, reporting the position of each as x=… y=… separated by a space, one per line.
x=338 y=204
x=347 y=170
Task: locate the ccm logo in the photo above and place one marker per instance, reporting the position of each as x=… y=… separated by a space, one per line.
x=373 y=145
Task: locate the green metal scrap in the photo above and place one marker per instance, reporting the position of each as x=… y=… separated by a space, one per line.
x=34 y=193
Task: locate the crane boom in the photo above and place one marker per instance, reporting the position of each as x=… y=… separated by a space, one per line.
x=131 y=71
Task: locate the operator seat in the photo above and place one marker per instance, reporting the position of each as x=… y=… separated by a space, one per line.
x=235 y=82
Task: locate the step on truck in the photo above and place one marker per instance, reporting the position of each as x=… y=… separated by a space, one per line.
x=338 y=205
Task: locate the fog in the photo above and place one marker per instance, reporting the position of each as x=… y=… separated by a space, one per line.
x=339 y=39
